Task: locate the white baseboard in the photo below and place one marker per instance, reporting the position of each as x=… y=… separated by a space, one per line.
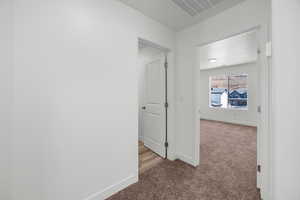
x=171 y=155
x=238 y=122
x=113 y=189
x=187 y=159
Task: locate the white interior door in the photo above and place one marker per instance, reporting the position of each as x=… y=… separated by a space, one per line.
x=154 y=121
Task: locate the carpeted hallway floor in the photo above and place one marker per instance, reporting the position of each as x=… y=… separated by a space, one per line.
x=227 y=170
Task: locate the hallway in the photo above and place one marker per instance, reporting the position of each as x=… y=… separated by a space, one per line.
x=227 y=170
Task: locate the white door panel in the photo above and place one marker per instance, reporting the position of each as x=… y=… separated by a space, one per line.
x=153 y=129
x=154 y=82
x=154 y=113
x=154 y=108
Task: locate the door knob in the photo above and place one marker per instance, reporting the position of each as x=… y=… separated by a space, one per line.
x=144 y=107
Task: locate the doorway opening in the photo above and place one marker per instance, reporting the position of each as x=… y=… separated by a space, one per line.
x=153 y=104
x=229 y=96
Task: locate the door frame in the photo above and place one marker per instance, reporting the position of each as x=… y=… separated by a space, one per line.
x=263 y=154
x=169 y=93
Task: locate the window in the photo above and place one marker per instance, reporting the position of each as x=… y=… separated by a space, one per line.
x=229 y=91
x=219 y=91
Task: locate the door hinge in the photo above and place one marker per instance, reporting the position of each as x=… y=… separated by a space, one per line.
x=166 y=65
x=166 y=105
x=258 y=51
x=259 y=168
x=259 y=109
x=166 y=144
x=259 y=193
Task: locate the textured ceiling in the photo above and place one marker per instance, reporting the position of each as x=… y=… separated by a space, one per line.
x=179 y=14
x=195 y=7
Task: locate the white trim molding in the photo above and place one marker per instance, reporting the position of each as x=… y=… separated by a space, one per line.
x=113 y=189
x=187 y=159
x=238 y=122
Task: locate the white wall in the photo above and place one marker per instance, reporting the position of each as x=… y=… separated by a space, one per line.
x=5 y=91
x=246 y=117
x=285 y=101
x=248 y=14
x=76 y=97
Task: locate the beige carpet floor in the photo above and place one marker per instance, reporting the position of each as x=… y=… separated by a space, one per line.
x=227 y=170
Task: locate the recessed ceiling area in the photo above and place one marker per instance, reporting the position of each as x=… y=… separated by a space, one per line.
x=232 y=51
x=180 y=14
